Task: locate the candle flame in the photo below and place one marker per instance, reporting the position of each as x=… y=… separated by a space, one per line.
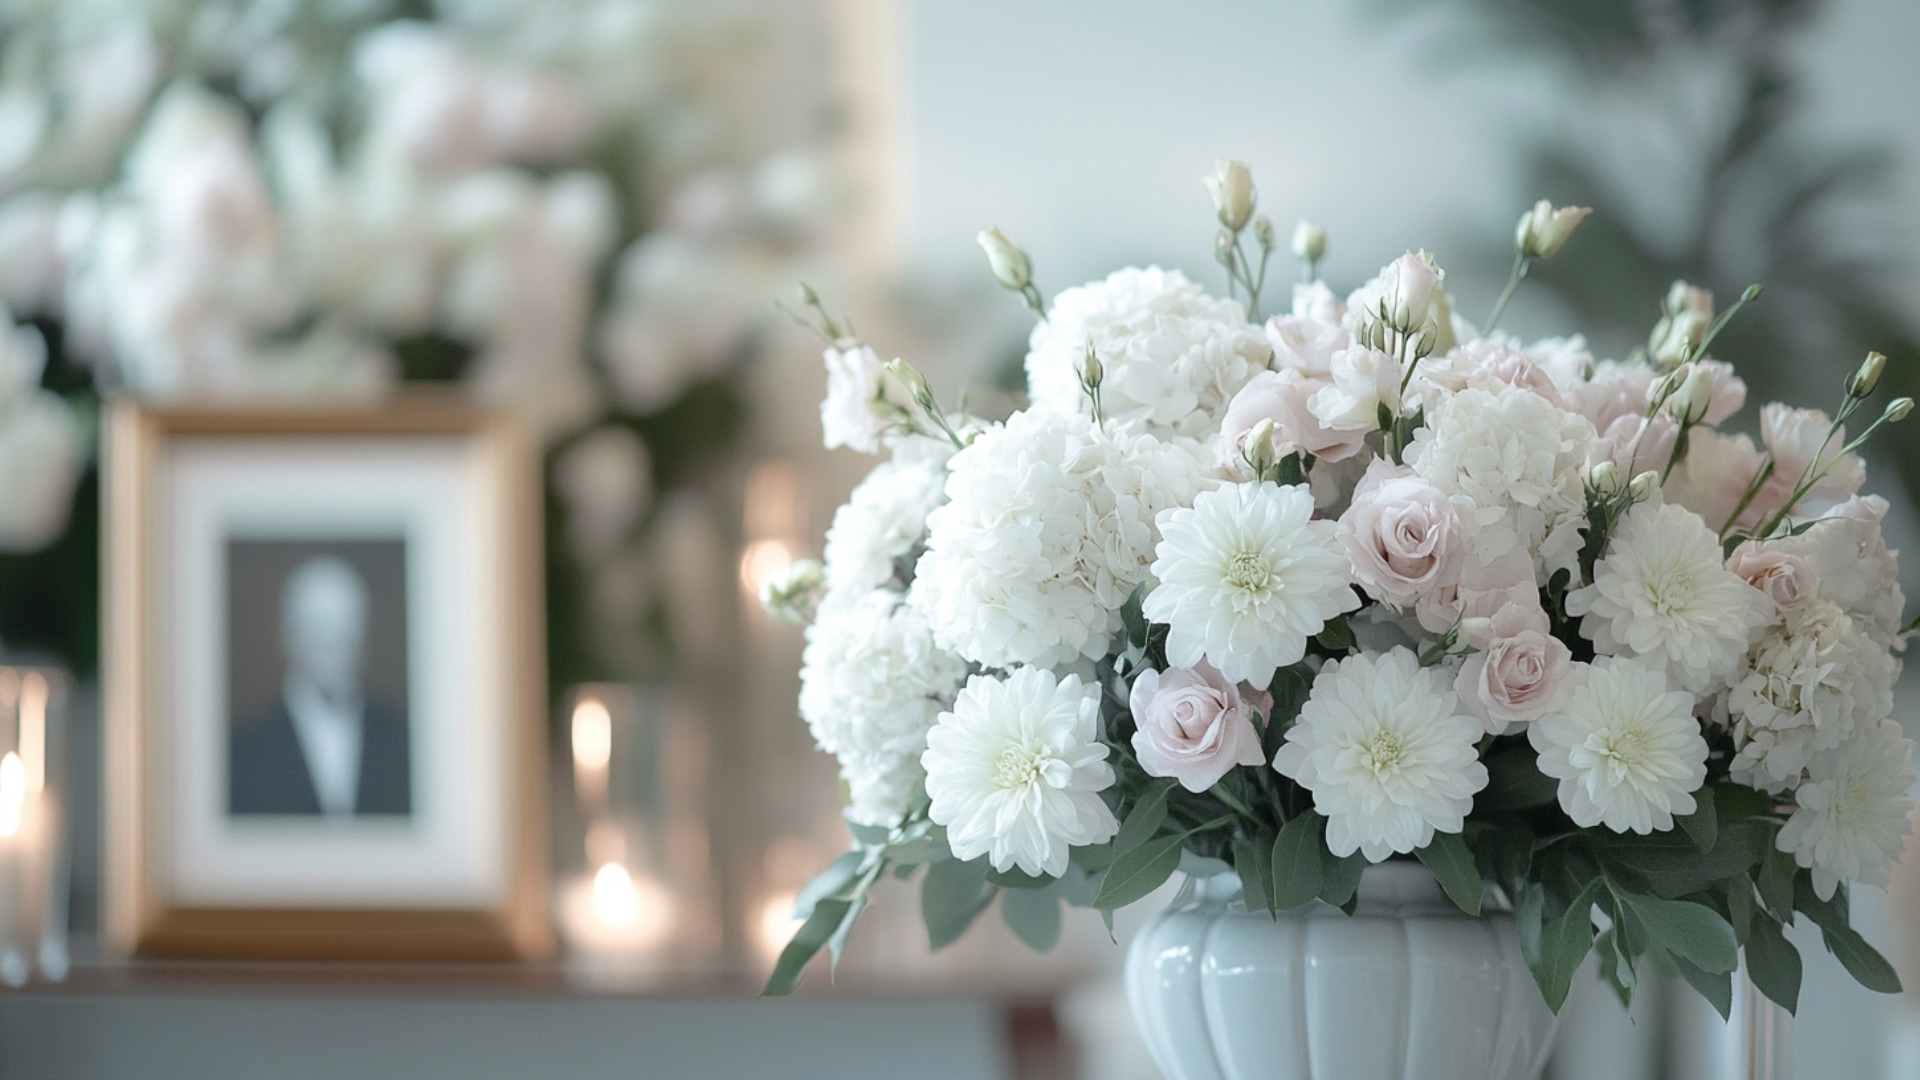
x=13 y=792
x=592 y=734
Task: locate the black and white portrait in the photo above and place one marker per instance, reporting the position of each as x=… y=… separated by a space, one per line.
x=317 y=679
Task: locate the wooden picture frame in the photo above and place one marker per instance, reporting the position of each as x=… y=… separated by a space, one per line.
x=185 y=874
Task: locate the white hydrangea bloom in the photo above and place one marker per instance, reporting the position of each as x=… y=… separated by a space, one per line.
x=1387 y=752
x=1514 y=466
x=1048 y=527
x=1246 y=577
x=1015 y=771
x=1850 y=560
x=1661 y=592
x=871 y=679
x=883 y=521
x=1853 y=810
x=880 y=787
x=1173 y=356
x=1812 y=680
x=1625 y=747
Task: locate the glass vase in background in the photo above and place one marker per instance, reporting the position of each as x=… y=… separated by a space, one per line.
x=34 y=855
x=635 y=858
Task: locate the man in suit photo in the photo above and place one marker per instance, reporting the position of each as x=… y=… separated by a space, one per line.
x=323 y=747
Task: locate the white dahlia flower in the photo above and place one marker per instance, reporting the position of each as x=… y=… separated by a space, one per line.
x=881 y=522
x=1812 y=680
x=1853 y=810
x=1015 y=771
x=1514 y=465
x=1173 y=356
x=1048 y=527
x=1246 y=577
x=872 y=680
x=1662 y=593
x=1625 y=747
x=1388 y=754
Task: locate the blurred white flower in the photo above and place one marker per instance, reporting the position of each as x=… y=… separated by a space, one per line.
x=42 y=448
x=850 y=415
x=679 y=312
x=605 y=481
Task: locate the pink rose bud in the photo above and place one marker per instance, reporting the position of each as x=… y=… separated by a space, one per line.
x=1194 y=726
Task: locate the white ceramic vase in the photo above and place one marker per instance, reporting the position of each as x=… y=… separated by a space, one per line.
x=1408 y=987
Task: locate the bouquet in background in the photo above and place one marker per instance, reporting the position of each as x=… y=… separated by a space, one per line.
x=1361 y=581
x=557 y=205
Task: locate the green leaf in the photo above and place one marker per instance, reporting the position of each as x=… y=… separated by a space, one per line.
x=1032 y=915
x=1703 y=825
x=1716 y=987
x=807 y=942
x=1740 y=907
x=1616 y=970
x=1298 y=861
x=951 y=894
x=1691 y=932
x=1861 y=960
x=1775 y=883
x=837 y=876
x=1143 y=820
x=1340 y=878
x=837 y=943
x=1336 y=636
x=1253 y=858
x=1564 y=942
x=869 y=835
x=1015 y=878
x=1132 y=617
x=1136 y=873
x=1773 y=963
x=1452 y=865
x=1515 y=782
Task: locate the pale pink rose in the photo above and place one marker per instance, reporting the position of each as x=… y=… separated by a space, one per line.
x=847 y=415
x=1729 y=394
x=1785 y=578
x=1282 y=396
x=1402 y=535
x=1481 y=591
x=1520 y=674
x=1411 y=281
x=1714 y=476
x=1615 y=391
x=1495 y=359
x=1636 y=444
x=1194 y=726
x=1305 y=342
x=1794 y=436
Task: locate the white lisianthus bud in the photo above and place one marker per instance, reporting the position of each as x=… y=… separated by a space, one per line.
x=791 y=595
x=1689 y=312
x=1010 y=265
x=1309 y=241
x=1092 y=371
x=1411 y=282
x=1223 y=247
x=1693 y=396
x=1260 y=448
x=1684 y=297
x=1605 y=478
x=1868 y=377
x=1545 y=227
x=1643 y=485
x=1471 y=629
x=1231 y=186
x=1898 y=409
x=915 y=383
x=1263 y=231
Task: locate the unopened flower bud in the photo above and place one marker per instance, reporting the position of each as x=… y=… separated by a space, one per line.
x=1259 y=449
x=1676 y=336
x=791 y=595
x=1684 y=297
x=1898 y=409
x=1223 y=247
x=1231 y=186
x=1694 y=395
x=808 y=298
x=1545 y=227
x=1309 y=241
x=1411 y=281
x=1010 y=265
x=1605 y=478
x=1470 y=630
x=1643 y=485
x=915 y=383
x=1868 y=377
x=1091 y=369
x=1263 y=231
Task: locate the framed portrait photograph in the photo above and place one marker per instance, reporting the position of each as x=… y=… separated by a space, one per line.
x=323 y=684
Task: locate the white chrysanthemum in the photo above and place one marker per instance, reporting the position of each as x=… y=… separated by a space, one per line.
x=1662 y=593
x=1625 y=747
x=1849 y=558
x=1514 y=465
x=1173 y=356
x=1812 y=680
x=1246 y=577
x=883 y=521
x=1048 y=527
x=872 y=680
x=1015 y=771
x=1388 y=754
x=1853 y=810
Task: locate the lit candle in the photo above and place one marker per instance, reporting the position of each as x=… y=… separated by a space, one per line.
x=592 y=751
x=614 y=912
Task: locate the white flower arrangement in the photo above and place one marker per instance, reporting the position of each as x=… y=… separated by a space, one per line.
x=1367 y=582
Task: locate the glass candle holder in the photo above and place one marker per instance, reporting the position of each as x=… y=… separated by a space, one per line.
x=33 y=826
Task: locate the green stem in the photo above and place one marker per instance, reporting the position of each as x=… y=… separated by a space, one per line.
x=1513 y=282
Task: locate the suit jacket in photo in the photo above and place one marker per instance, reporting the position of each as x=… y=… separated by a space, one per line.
x=267 y=768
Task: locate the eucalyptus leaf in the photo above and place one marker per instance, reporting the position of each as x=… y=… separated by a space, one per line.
x=1253 y=859
x=807 y=942
x=1132 y=617
x=1773 y=963
x=1515 y=782
x=1740 y=907
x=951 y=895
x=869 y=835
x=1336 y=636
x=1340 y=879
x=1564 y=942
x=1033 y=915
x=1015 y=878
x=1452 y=865
x=1298 y=861
x=1703 y=825
x=837 y=876
x=1775 y=883
x=1138 y=872
x=1691 y=932
x=1861 y=960
x=1144 y=820
x=1716 y=987
x=837 y=942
